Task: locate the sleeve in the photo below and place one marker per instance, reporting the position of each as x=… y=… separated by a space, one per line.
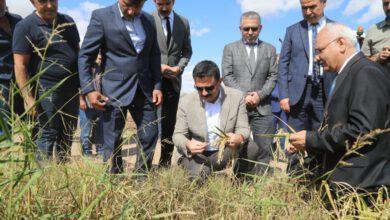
x=88 y=53
x=284 y=62
x=181 y=132
x=242 y=125
x=272 y=76
x=367 y=112
x=365 y=47
x=22 y=42
x=186 y=51
x=227 y=68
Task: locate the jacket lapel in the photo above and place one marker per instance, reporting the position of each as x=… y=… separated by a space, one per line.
x=200 y=117
x=259 y=56
x=160 y=31
x=304 y=36
x=122 y=27
x=244 y=55
x=175 y=30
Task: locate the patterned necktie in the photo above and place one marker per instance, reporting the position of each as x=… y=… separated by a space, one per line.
x=252 y=58
x=169 y=32
x=316 y=65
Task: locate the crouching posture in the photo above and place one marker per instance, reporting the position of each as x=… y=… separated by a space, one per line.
x=206 y=114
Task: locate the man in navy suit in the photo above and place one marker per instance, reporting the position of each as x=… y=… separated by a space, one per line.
x=131 y=80
x=303 y=85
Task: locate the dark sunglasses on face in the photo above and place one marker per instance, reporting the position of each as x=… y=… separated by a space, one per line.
x=254 y=29
x=207 y=88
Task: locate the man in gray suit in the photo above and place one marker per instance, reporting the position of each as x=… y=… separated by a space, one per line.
x=131 y=79
x=198 y=117
x=174 y=40
x=250 y=65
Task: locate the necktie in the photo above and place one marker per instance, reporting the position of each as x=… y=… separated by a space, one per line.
x=252 y=58
x=316 y=66
x=169 y=32
x=332 y=87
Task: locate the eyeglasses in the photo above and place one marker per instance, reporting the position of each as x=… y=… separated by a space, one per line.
x=254 y=29
x=320 y=50
x=207 y=88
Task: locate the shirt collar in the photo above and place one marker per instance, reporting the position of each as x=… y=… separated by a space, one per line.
x=163 y=17
x=256 y=43
x=347 y=61
x=321 y=22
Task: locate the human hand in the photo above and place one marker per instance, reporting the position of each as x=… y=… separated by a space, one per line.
x=196 y=147
x=255 y=98
x=97 y=100
x=234 y=140
x=30 y=105
x=83 y=103
x=298 y=141
x=157 y=97
x=285 y=105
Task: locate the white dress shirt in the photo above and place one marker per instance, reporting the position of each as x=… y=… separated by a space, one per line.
x=321 y=24
x=164 y=23
x=213 y=120
x=136 y=31
x=248 y=49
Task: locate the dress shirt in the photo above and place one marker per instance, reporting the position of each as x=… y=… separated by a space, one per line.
x=248 y=48
x=321 y=24
x=136 y=31
x=213 y=120
x=164 y=24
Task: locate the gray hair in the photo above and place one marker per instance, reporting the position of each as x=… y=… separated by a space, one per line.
x=250 y=15
x=337 y=30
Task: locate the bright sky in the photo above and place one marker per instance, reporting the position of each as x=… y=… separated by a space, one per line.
x=214 y=23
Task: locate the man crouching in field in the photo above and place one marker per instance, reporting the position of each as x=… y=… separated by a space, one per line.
x=204 y=115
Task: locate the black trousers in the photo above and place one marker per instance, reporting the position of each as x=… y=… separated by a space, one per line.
x=168 y=120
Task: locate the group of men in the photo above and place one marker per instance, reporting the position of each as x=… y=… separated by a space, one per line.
x=332 y=93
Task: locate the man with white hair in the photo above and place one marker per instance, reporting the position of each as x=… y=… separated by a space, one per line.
x=358 y=106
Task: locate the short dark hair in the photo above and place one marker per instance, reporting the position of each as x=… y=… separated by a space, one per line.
x=206 y=68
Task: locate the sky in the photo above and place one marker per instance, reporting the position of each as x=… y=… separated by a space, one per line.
x=215 y=23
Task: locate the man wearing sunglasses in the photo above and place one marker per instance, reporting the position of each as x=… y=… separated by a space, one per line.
x=202 y=116
x=131 y=79
x=249 y=65
x=303 y=85
x=58 y=109
x=358 y=105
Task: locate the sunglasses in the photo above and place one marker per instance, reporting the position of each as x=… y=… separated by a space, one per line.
x=207 y=88
x=254 y=29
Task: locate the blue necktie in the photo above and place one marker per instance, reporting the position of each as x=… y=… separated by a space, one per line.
x=316 y=66
x=332 y=87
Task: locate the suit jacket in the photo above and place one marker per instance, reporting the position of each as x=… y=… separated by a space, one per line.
x=238 y=74
x=191 y=118
x=124 y=69
x=179 y=51
x=294 y=64
x=360 y=104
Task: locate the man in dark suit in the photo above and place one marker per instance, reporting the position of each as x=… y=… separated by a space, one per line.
x=131 y=80
x=250 y=66
x=174 y=40
x=359 y=104
x=303 y=85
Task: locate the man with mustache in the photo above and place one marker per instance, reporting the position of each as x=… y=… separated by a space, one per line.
x=200 y=118
x=303 y=85
x=7 y=27
x=57 y=66
x=174 y=40
x=376 y=45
